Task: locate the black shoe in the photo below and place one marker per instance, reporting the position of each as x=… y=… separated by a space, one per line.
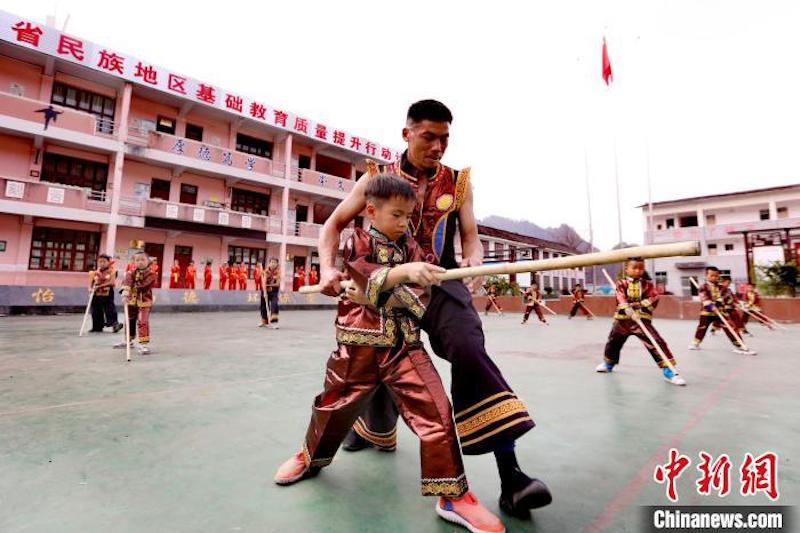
x=95 y=331
x=532 y=496
x=355 y=442
x=117 y=327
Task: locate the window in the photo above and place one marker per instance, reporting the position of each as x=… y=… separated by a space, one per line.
x=188 y=194
x=250 y=202
x=248 y=256
x=159 y=189
x=711 y=220
x=658 y=226
x=688 y=222
x=165 y=125
x=251 y=145
x=712 y=249
x=73 y=171
x=62 y=249
x=304 y=162
x=728 y=247
x=725 y=272
x=670 y=223
x=96 y=104
x=194 y=132
x=301 y=213
x=783 y=212
x=763 y=214
x=661 y=278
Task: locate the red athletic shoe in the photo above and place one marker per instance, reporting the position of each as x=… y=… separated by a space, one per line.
x=294 y=469
x=468 y=512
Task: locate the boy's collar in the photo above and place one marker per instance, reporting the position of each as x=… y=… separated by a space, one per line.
x=382 y=237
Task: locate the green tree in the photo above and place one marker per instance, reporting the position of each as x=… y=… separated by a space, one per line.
x=504 y=286
x=779 y=278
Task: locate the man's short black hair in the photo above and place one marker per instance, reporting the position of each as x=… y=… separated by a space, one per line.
x=712 y=269
x=387 y=186
x=432 y=110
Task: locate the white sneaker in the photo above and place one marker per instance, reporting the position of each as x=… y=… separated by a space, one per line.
x=676 y=379
x=744 y=352
x=603 y=368
x=144 y=350
x=694 y=346
x=121 y=345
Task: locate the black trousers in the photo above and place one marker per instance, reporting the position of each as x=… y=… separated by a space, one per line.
x=110 y=311
x=488 y=414
x=99 y=306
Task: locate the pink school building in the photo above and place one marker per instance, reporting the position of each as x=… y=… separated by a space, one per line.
x=100 y=150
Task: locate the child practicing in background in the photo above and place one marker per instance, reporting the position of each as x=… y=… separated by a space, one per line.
x=578 y=302
x=207 y=276
x=712 y=300
x=730 y=307
x=103 y=311
x=175 y=275
x=636 y=299
x=137 y=294
x=224 y=270
x=752 y=302
x=491 y=300
x=272 y=286
x=379 y=342
x=191 y=275
x=532 y=296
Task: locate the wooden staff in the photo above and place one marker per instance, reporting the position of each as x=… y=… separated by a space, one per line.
x=127 y=331
x=547 y=308
x=583 y=305
x=768 y=319
x=88 y=306
x=754 y=315
x=722 y=318
x=636 y=318
x=559 y=263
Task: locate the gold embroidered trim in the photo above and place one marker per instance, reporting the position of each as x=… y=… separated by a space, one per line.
x=450 y=486
x=485 y=436
x=462 y=184
x=489 y=416
x=483 y=402
x=410 y=330
x=357 y=338
x=409 y=299
x=375 y=284
x=388 y=442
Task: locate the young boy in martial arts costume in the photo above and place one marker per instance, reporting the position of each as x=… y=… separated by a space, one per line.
x=711 y=297
x=379 y=342
x=137 y=294
x=636 y=300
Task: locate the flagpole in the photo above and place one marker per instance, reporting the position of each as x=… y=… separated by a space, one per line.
x=589 y=208
x=616 y=182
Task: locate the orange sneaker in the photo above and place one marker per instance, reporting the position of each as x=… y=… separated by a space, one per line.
x=294 y=469
x=470 y=513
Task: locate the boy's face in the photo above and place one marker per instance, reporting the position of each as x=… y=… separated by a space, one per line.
x=712 y=276
x=102 y=263
x=391 y=216
x=725 y=283
x=273 y=263
x=141 y=261
x=634 y=269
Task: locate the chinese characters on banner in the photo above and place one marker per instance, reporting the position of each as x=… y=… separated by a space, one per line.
x=756 y=474
x=29 y=34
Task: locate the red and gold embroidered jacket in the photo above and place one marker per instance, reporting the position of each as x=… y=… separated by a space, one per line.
x=368 y=256
x=639 y=294
x=140 y=283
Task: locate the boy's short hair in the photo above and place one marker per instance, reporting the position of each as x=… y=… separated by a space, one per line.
x=387 y=186
x=712 y=269
x=141 y=252
x=104 y=256
x=635 y=258
x=432 y=110
x=725 y=278
x=273 y=259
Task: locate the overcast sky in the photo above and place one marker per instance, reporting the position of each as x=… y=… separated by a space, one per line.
x=712 y=87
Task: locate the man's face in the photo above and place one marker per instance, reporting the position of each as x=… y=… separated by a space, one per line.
x=712 y=276
x=427 y=142
x=391 y=216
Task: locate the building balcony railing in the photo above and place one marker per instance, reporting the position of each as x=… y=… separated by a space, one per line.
x=307 y=229
x=327 y=181
x=152 y=207
x=200 y=152
x=53 y=194
x=36 y=111
x=720 y=231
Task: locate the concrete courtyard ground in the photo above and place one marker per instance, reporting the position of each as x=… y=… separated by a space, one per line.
x=188 y=438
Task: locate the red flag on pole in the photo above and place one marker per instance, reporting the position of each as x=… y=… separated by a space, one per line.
x=608 y=76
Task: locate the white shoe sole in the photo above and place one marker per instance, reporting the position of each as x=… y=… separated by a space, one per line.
x=454 y=517
x=289 y=481
x=678 y=383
